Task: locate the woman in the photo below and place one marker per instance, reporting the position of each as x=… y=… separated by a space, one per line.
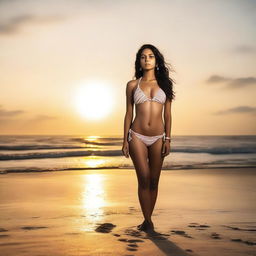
x=147 y=138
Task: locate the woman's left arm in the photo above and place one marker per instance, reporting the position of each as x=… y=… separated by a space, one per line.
x=168 y=125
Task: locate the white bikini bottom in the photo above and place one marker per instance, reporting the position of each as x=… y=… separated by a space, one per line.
x=147 y=140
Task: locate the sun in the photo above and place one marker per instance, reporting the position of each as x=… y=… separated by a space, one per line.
x=94 y=100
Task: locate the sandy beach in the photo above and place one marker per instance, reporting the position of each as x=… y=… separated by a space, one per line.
x=95 y=212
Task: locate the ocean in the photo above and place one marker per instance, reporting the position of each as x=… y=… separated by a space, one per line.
x=29 y=153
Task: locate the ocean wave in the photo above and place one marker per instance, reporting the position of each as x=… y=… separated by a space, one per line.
x=217 y=150
x=60 y=154
x=38 y=147
x=36 y=155
x=125 y=167
x=85 y=144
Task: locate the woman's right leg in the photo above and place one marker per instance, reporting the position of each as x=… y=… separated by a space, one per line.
x=139 y=155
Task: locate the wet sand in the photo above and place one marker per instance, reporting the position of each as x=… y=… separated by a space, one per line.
x=95 y=212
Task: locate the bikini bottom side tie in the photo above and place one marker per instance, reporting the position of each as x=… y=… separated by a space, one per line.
x=147 y=140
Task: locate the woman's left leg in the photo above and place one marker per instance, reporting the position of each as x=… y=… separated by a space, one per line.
x=155 y=165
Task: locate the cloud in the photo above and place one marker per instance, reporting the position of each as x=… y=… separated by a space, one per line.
x=217 y=79
x=241 y=82
x=232 y=82
x=13 y=25
x=40 y=118
x=239 y=110
x=244 y=49
x=6 y=114
x=10 y=116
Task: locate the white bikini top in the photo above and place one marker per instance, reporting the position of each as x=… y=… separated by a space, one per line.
x=140 y=97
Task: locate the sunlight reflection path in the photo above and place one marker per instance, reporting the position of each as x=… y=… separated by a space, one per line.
x=93 y=198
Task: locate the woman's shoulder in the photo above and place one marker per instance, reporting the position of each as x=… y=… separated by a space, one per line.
x=132 y=83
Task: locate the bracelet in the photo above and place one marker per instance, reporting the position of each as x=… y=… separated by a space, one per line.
x=167 y=138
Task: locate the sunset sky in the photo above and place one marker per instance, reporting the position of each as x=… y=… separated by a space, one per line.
x=51 y=50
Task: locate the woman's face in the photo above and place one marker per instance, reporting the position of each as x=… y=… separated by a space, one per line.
x=147 y=59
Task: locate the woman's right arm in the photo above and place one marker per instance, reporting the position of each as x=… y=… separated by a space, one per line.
x=128 y=116
x=129 y=109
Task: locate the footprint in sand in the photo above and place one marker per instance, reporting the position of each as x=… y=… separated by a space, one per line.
x=3 y=230
x=135 y=241
x=141 y=234
x=132 y=245
x=130 y=240
x=2 y=236
x=105 y=227
x=237 y=240
x=242 y=229
x=198 y=226
x=243 y=241
x=249 y=242
x=181 y=232
x=32 y=227
x=73 y=233
x=132 y=232
x=131 y=249
x=122 y=239
x=215 y=235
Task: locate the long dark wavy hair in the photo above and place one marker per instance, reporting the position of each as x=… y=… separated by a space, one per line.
x=162 y=75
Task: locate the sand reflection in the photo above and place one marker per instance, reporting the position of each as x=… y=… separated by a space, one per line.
x=93 y=197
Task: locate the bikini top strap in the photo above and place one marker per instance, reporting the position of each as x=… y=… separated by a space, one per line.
x=138 y=86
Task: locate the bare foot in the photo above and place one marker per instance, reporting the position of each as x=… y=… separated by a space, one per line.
x=150 y=226
x=147 y=226
x=142 y=225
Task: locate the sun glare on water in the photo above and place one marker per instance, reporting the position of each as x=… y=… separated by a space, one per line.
x=94 y=100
